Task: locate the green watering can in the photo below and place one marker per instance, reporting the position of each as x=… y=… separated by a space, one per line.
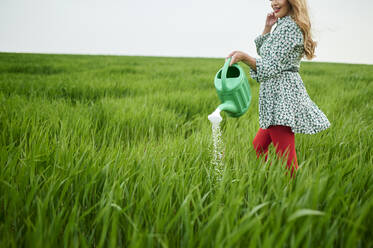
x=233 y=89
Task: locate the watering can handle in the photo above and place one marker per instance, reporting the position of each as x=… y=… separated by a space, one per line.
x=224 y=73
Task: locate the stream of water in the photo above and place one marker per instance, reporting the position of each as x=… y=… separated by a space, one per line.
x=217 y=153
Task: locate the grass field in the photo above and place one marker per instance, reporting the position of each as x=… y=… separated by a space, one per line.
x=115 y=151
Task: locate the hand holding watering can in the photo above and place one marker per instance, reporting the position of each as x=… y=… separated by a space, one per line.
x=238 y=56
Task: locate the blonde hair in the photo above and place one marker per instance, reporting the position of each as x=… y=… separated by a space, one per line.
x=299 y=12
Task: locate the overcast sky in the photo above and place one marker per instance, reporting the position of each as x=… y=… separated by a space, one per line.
x=191 y=28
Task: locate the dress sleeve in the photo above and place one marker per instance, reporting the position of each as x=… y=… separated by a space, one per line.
x=259 y=41
x=285 y=47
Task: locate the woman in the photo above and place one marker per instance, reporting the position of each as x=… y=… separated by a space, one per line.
x=284 y=105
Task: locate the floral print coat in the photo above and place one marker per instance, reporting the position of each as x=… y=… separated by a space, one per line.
x=283 y=99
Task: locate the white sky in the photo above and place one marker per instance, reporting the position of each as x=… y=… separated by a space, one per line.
x=191 y=28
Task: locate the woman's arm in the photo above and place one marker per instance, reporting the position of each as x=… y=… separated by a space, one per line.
x=250 y=61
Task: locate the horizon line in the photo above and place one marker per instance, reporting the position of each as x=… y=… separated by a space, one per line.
x=165 y=56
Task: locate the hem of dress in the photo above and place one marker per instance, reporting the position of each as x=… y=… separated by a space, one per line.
x=298 y=130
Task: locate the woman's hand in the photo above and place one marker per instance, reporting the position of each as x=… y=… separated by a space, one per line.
x=271 y=20
x=237 y=56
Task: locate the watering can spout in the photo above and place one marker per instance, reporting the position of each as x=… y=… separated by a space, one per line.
x=228 y=106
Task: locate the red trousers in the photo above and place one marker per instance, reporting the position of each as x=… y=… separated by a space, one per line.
x=283 y=139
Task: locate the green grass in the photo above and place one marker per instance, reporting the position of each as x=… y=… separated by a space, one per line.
x=115 y=151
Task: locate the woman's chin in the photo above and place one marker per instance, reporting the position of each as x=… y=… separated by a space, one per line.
x=280 y=15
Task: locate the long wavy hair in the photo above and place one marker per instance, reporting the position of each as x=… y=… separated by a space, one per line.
x=299 y=12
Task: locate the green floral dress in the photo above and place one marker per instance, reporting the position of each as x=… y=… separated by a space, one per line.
x=283 y=99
